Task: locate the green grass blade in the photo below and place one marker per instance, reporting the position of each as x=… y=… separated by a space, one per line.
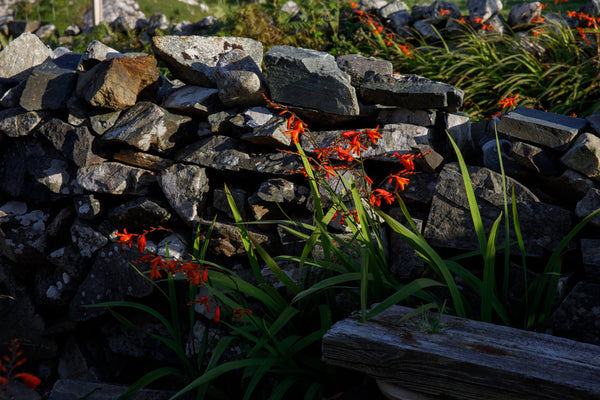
x=328 y=283
x=489 y=274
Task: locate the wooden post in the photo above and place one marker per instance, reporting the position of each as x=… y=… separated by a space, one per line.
x=97 y=9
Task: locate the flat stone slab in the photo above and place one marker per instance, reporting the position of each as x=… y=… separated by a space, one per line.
x=410 y=91
x=544 y=128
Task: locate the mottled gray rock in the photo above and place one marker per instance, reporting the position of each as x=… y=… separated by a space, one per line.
x=406 y=116
x=203 y=27
x=291 y=8
x=492 y=161
x=483 y=9
x=450 y=225
x=192 y=99
x=218 y=152
x=87 y=206
x=53 y=287
x=72 y=30
x=544 y=128
x=584 y=156
x=426 y=29
x=458 y=126
x=186 y=188
x=257 y=116
x=193 y=59
x=19 y=57
x=578 y=316
x=573 y=185
x=17 y=28
x=158 y=21
x=127 y=23
x=142 y=160
x=111 y=10
x=48 y=87
x=278 y=164
x=357 y=65
x=16 y=122
x=221 y=203
x=311 y=79
x=139 y=214
x=87 y=238
x=69 y=260
x=399 y=21
x=594 y=121
x=410 y=91
x=96 y=52
x=404 y=263
x=270 y=134
x=72 y=363
x=146 y=126
x=111 y=278
x=398 y=138
x=523 y=13
x=390 y=8
x=590 y=256
x=69 y=389
x=588 y=204
x=219 y=121
x=240 y=80
x=429 y=160
x=226 y=240
x=115 y=178
x=534 y=158
x=23 y=237
x=100 y=122
x=75 y=143
x=119 y=83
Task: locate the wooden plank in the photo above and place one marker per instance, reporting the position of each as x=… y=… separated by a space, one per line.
x=466 y=359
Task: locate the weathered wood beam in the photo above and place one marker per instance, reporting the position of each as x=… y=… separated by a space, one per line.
x=466 y=359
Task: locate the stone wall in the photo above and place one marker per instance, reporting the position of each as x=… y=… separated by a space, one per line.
x=95 y=143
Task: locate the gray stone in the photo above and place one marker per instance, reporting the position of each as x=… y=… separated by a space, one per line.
x=68 y=389
x=523 y=13
x=203 y=27
x=588 y=204
x=100 y=122
x=87 y=238
x=483 y=9
x=221 y=203
x=96 y=52
x=218 y=152
x=410 y=91
x=139 y=214
x=142 y=160
x=458 y=126
x=186 y=188
x=48 y=87
x=19 y=57
x=257 y=116
x=111 y=278
x=191 y=99
x=311 y=79
x=240 y=80
x=590 y=256
x=219 y=121
x=277 y=164
x=290 y=8
x=270 y=134
x=584 y=156
x=534 y=159
x=227 y=242
x=147 y=126
x=193 y=59
x=158 y=21
x=399 y=21
x=594 y=121
x=539 y=127
x=390 y=8
x=404 y=262
x=450 y=225
x=492 y=161
x=72 y=363
x=429 y=160
x=53 y=287
x=426 y=30
x=111 y=10
x=69 y=260
x=578 y=316
x=87 y=206
x=395 y=138
x=17 y=28
x=357 y=65
x=74 y=143
x=72 y=30
x=115 y=178
x=11 y=97
x=16 y=122
x=406 y=116
x=23 y=237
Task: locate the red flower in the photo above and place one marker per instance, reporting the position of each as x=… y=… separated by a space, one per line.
x=444 y=12
x=373 y=134
x=401 y=181
x=30 y=380
x=378 y=194
x=239 y=312
x=217 y=317
x=142 y=243
x=344 y=155
x=297 y=128
x=125 y=238
x=356 y=146
x=155 y=273
x=509 y=101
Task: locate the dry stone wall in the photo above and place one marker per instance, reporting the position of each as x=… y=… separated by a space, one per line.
x=95 y=143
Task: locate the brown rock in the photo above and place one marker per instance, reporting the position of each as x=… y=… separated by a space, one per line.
x=119 y=83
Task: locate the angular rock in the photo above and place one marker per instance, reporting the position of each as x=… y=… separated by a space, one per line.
x=87 y=238
x=218 y=152
x=450 y=225
x=226 y=240
x=590 y=256
x=406 y=116
x=16 y=122
x=193 y=59
x=311 y=79
x=17 y=28
x=588 y=204
x=399 y=21
x=221 y=203
x=239 y=80
x=23 y=234
x=426 y=29
x=53 y=287
x=75 y=143
x=19 y=57
x=111 y=278
x=277 y=164
x=357 y=65
x=101 y=122
x=95 y=53
x=573 y=316
x=483 y=9
x=410 y=91
x=458 y=126
x=186 y=188
x=191 y=99
x=68 y=389
x=584 y=156
x=48 y=87
x=115 y=178
x=390 y=8
x=534 y=158
x=69 y=260
x=72 y=30
x=539 y=127
x=112 y=10
x=523 y=13
x=87 y=206
x=147 y=126
x=139 y=214
x=119 y=83
x=256 y=117
x=142 y=160
x=271 y=134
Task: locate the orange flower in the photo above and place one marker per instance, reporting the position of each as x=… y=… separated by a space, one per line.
x=344 y=155
x=406 y=160
x=404 y=48
x=373 y=134
x=30 y=380
x=581 y=32
x=478 y=20
x=356 y=146
x=401 y=181
x=217 y=317
x=125 y=238
x=239 y=312
x=298 y=128
x=378 y=194
x=444 y=12
x=571 y=14
x=509 y=101
x=537 y=20
x=142 y=243
x=353 y=5
x=155 y=273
